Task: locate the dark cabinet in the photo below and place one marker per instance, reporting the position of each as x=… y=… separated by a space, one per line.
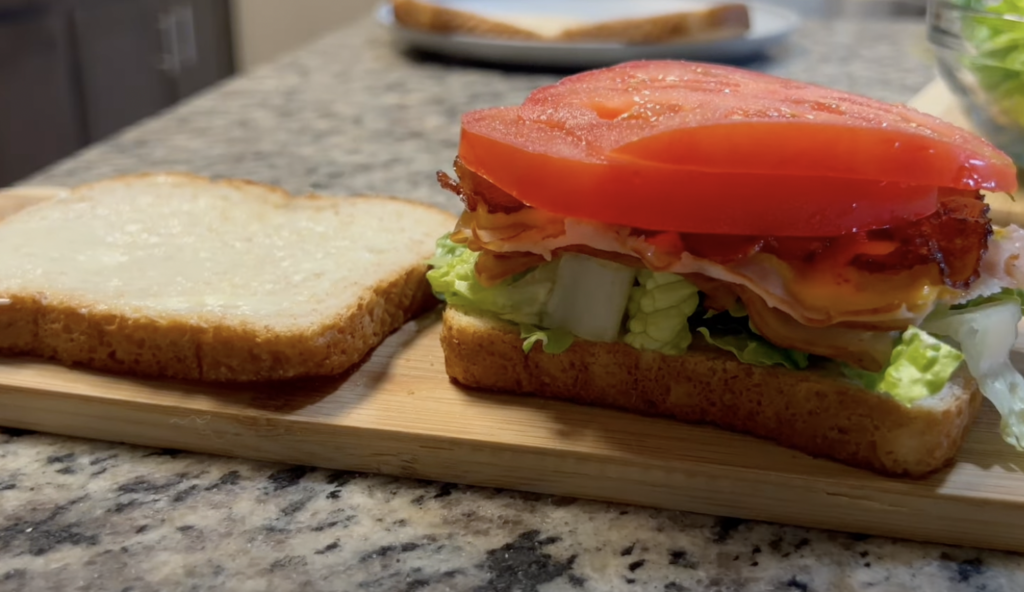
x=119 y=49
x=40 y=116
x=75 y=71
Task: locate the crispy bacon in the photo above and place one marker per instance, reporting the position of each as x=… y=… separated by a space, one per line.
x=954 y=238
x=474 y=189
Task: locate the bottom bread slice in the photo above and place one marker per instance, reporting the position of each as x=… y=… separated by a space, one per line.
x=813 y=411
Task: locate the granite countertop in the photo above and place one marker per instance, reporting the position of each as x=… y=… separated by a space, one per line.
x=349 y=115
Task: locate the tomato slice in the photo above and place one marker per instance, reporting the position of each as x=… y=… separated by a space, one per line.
x=701 y=148
x=659 y=197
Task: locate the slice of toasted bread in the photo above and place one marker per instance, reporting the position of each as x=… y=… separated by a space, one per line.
x=425 y=16
x=711 y=22
x=181 y=276
x=813 y=411
x=719 y=22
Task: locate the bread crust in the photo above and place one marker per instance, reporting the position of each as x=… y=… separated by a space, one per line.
x=722 y=21
x=719 y=22
x=79 y=334
x=87 y=333
x=811 y=411
x=424 y=16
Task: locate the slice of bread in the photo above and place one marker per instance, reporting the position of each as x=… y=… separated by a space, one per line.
x=180 y=276
x=813 y=411
x=714 y=21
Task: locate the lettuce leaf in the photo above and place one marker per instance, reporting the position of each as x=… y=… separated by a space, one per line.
x=1001 y=296
x=663 y=311
x=555 y=341
x=590 y=297
x=997 y=56
x=732 y=331
x=986 y=334
x=751 y=349
x=519 y=299
x=920 y=366
x=658 y=312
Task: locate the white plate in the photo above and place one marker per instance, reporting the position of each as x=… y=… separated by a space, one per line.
x=769 y=26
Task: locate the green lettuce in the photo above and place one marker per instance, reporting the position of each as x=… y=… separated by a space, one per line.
x=1006 y=294
x=659 y=309
x=555 y=341
x=733 y=332
x=997 y=59
x=986 y=334
x=920 y=366
x=520 y=299
x=663 y=312
x=751 y=349
x=590 y=297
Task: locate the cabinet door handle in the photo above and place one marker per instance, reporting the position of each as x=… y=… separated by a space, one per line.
x=178 y=38
x=185 y=32
x=169 y=60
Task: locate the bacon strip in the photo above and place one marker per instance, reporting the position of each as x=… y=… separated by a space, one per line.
x=954 y=238
x=474 y=189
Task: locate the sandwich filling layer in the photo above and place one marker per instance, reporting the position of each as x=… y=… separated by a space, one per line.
x=896 y=310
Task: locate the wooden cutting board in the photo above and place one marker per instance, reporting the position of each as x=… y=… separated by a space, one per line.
x=398 y=414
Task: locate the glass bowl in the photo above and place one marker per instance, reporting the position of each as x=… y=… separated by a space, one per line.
x=979 y=48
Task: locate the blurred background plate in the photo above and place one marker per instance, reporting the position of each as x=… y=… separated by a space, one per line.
x=769 y=26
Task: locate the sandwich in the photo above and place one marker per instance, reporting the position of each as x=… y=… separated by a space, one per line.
x=593 y=22
x=719 y=246
x=181 y=276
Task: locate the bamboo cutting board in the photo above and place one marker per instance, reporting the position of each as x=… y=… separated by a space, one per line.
x=398 y=414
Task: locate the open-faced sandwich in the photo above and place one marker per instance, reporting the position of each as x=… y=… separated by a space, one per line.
x=721 y=246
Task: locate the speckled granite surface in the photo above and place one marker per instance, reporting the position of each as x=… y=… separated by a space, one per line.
x=350 y=116
x=92 y=516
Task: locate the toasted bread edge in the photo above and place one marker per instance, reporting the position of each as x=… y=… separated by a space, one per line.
x=810 y=411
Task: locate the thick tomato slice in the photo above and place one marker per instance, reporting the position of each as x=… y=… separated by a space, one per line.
x=699 y=148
